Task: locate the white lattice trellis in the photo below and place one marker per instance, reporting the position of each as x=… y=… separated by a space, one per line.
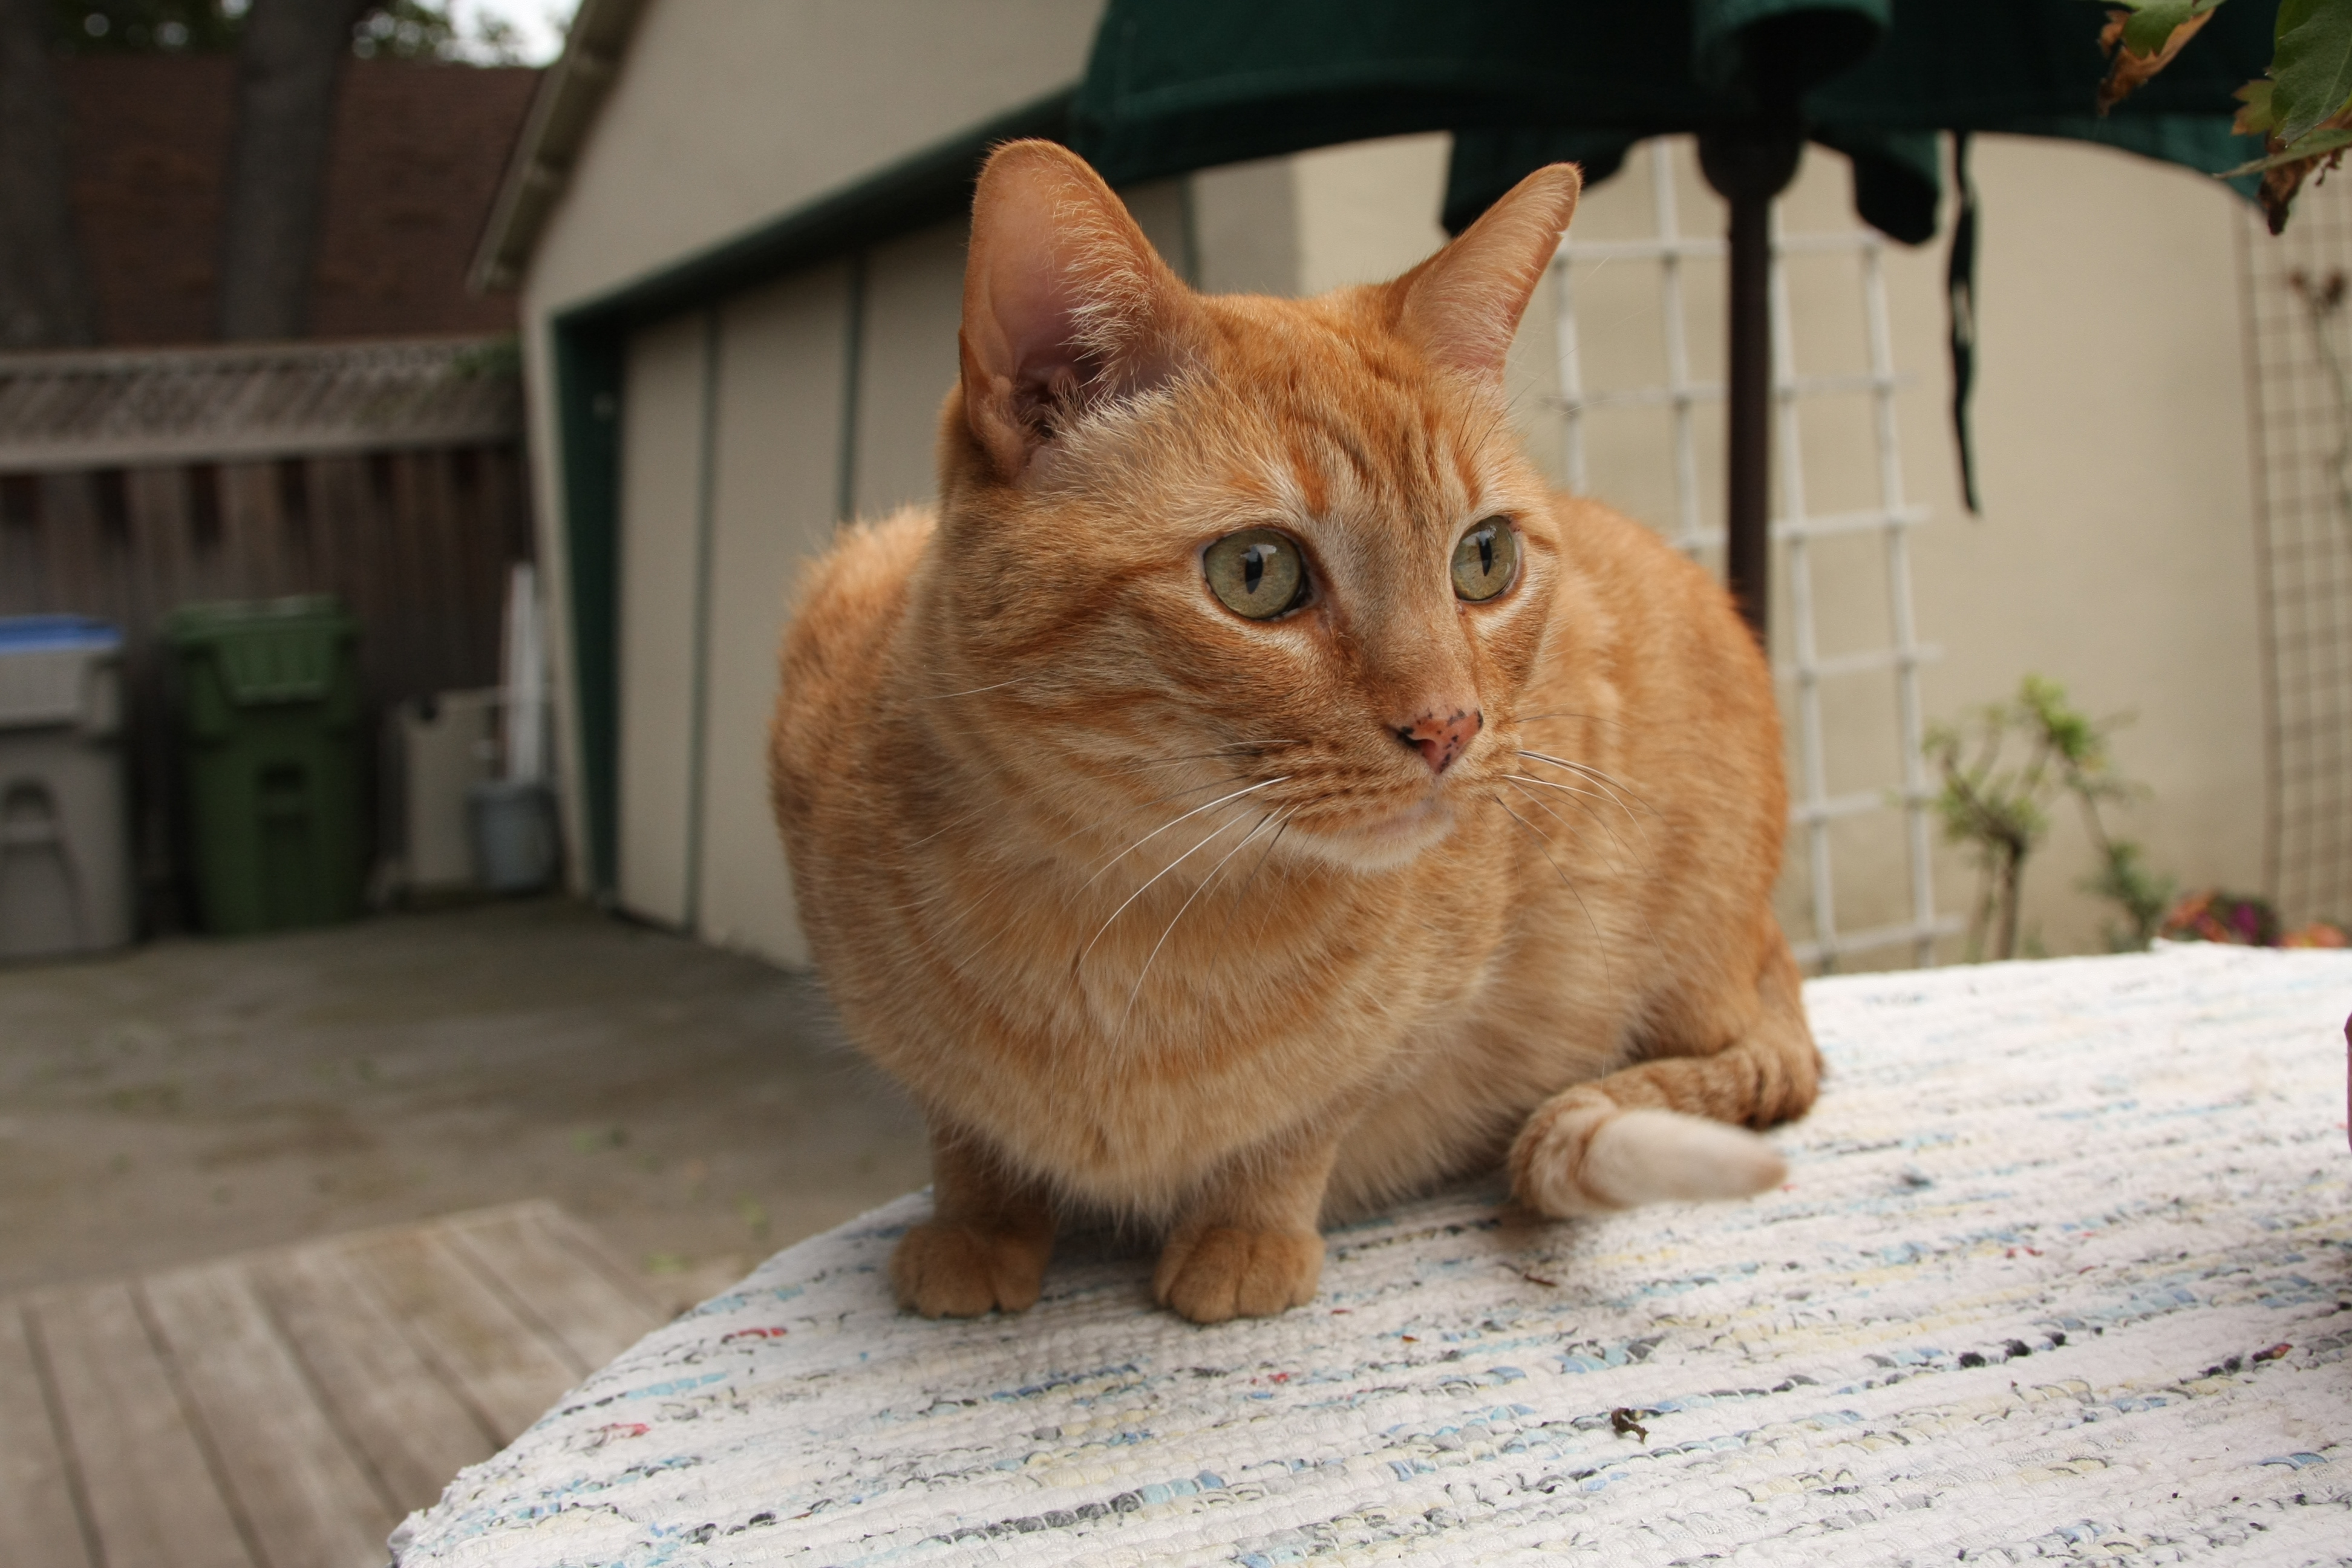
x=1802 y=669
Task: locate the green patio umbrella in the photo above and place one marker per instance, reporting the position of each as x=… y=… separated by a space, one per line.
x=1176 y=86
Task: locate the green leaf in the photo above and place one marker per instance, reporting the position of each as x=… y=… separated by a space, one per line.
x=2292 y=14
x=2313 y=67
x=2318 y=145
x=2152 y=22
x=2258 y=118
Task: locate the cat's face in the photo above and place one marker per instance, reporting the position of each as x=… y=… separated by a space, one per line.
x=1282 y=562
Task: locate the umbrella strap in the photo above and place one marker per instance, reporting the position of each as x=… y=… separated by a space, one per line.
x=1960 y=289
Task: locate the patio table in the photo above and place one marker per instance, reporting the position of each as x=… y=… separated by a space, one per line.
x=2063 y=1268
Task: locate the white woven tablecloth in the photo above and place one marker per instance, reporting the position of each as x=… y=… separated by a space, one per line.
x=2065 y=1268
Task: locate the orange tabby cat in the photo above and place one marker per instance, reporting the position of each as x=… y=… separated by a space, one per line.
x=1254 y=795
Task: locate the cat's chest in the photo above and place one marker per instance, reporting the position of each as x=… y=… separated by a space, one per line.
x=1116 y=1057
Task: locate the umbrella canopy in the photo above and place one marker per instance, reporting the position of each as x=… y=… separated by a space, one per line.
x=1171 y=88
x=1520 y=83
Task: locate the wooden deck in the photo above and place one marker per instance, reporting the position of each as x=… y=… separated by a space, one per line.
x=284 y=1409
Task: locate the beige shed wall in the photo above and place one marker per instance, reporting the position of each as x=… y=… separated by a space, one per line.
x=661 y=477
x=778 y=428
x=729 y=112
x=726 y=113
x=913 y=308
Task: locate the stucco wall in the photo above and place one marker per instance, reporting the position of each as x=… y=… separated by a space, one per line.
x=2117 y=551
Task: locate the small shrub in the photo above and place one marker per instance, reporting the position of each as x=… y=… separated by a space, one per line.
x=2000 y=810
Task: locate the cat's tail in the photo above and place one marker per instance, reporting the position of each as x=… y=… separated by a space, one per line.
x=1590 y=1155
x=1664 y=1130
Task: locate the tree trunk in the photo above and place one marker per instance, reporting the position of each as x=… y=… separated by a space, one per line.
x=43 y=301
x=289 y=66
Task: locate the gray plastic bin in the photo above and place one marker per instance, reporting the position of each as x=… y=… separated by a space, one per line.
x=513 y=823
x=65 y=839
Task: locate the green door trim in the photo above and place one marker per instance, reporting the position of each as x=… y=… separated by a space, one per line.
x=588 y=436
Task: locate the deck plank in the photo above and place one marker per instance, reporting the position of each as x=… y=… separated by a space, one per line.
x=526 y=1248
x=281 y=1409
x=153 y=1499
x=508 y=1370
x=411 y=1427
x=39 y=1524
x=304 y=1495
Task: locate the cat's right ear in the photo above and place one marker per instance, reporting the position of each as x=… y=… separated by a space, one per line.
x=1463 y=305
x=1065 y=302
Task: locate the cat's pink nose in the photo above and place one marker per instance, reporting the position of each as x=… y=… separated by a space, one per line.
x=1441 y=737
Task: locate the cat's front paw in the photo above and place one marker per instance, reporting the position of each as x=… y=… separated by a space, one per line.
x=1212 y=1273
x=956 y=1271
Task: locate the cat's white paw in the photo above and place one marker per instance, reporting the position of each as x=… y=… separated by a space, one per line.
x=1584 y=1159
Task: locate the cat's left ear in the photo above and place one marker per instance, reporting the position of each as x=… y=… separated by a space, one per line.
x=1065 y=302
x=1461 y=305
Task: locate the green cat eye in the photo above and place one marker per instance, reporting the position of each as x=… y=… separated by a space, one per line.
x=1256 y=572
x=1485 y=559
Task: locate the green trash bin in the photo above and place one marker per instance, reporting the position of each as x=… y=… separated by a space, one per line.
x=268 y=711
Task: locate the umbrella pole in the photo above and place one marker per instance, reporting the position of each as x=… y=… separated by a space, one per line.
x=1748 y=566
x=1748 y=167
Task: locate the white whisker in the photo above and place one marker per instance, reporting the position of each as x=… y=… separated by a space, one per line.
x=1599 y=820
x=1180 y=794
x=1588 y=717
x=972 y=691
x=1604 y=779
x=1648 y=930
x=1250 y=789
x=1607 y=784
x=1546 y=849
x=1242 y=749
x=1205 y=882
x=1155 y=877
x=1520 y=783
x=1266 y=853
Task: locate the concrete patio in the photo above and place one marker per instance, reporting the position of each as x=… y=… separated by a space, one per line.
x=190 y=1099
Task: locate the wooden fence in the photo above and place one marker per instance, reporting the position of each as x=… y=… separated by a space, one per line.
x=410 y=507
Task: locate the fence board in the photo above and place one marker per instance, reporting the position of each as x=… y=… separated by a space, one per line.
x=419 y=556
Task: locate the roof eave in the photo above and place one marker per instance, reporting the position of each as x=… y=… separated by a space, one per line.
x=562 y=112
